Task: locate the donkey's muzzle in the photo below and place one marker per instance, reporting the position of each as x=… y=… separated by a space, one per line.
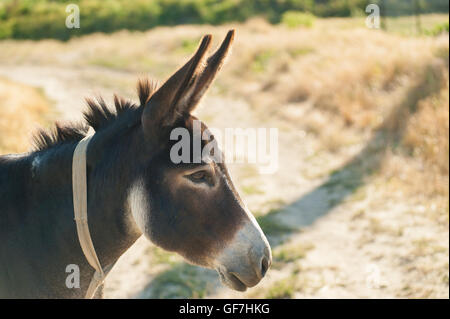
x=266 y=261
x=246 y=260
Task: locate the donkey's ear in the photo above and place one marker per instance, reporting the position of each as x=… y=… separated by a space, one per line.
x=161 y=109
x=204 y=80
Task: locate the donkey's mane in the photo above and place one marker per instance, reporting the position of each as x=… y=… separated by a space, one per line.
x=98 y=116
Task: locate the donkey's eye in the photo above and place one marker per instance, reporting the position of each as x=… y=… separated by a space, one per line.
x=200 y=177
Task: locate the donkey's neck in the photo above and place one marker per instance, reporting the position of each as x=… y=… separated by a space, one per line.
x=110 y=176
x=111 y=173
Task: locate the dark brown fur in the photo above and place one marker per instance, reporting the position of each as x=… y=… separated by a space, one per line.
x=98 y=116
x=128 y=154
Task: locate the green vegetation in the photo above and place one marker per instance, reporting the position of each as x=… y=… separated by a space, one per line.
x=438 y=29
x=160 y=256
x=283 y=289
x=291 y=252
x=37 y=19
x=272 y=226
x=252 y=190
x=261 y=60
x=182 y=281
x=294 y=19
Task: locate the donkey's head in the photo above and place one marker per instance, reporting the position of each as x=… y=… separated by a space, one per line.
x=193 y=208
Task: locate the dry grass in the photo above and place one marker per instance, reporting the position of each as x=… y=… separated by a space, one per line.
x=333 y=86
x=354 y=79
x=418 y=165
x=427 y=136
x=22 y=108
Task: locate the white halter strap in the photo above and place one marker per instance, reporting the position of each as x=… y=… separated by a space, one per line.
x=79 y=186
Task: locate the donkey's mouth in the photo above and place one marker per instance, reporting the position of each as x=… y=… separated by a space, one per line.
x=231 y=280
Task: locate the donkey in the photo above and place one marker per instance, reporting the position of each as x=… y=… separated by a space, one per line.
x=133 y=188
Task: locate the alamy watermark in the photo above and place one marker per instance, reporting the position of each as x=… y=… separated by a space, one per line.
x=73 y=277
x=73 y=19
x=373 y=19
x=251 y=145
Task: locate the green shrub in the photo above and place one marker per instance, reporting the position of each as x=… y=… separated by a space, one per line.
x=37 y=19
x=6 y=30
x=295 y=19
x=438 y=29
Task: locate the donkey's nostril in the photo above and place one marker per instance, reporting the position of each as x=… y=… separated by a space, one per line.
x=264 y=266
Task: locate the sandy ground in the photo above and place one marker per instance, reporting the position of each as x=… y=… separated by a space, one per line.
x=357 y=243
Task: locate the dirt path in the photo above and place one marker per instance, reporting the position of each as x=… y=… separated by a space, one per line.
x=333 y=238
x=66 y=87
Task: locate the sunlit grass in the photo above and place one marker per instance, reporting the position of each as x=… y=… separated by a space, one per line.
x=344 y=80
x=22 y=108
